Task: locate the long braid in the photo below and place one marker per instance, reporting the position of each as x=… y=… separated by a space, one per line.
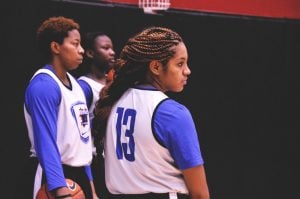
x=154 y=43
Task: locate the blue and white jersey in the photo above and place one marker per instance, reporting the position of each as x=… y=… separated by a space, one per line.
x=58 y=124
x=92 y=89
x=149 y=140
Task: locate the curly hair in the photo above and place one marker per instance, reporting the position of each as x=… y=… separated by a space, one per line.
x=53 y=29
x=153 y=43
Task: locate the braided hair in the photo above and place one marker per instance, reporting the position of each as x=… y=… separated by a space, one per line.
x=153 y=43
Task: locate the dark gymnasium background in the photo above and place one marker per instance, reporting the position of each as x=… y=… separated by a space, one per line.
x=243 y=92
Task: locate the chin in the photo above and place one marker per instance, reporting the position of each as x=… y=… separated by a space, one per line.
x=177 y=90
x=73 y=67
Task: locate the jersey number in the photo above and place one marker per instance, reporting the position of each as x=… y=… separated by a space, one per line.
x=125 y=130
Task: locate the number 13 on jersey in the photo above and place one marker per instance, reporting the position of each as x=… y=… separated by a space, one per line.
x=125 y=129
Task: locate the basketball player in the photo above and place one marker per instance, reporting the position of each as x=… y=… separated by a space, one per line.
x=99 y=62
x=150 y=141
x=100 y=58
x=56 y=112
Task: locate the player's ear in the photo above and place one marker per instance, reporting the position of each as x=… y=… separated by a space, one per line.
x=155 y=67
x=55 y=47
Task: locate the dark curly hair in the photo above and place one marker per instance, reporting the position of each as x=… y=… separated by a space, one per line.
x=53 y=29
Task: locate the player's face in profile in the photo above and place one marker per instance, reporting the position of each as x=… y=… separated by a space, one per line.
x=175 y=77
x=71 y=51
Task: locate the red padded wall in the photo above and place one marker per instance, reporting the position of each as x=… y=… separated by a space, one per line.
x=289 y=9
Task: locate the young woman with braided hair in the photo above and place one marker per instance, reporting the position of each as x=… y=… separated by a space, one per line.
x=150 y=141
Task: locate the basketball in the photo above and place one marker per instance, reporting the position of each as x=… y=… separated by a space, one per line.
x=75 y=191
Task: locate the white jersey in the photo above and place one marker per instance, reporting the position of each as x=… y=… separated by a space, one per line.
x=96 y=88
x=73 y=124
x=135 y=162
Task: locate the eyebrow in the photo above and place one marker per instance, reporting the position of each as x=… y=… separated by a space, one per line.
x=77 y=39
x=182 y=58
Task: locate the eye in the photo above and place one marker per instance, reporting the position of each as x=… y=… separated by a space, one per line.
x=180 y=64
x=76 y=43
x=106 y=47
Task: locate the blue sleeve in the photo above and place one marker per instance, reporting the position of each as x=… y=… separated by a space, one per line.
x=88 y=93
x=42 y=99
x=88 y=171
x=175 y=129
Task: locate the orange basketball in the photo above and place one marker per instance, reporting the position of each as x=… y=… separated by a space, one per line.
x=75 y=191
x=43 y=193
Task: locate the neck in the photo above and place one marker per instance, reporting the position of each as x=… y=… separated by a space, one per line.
x=61 y=74
x=101 y=78
x=150 y=80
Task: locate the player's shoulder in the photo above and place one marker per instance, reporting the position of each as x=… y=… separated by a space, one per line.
x=42 y=84
x=172 y=105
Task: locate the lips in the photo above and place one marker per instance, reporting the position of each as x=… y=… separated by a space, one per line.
x=80 y=60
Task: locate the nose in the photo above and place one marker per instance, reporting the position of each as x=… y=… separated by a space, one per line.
x=187 y=70
x=81 y=50
x=112 y=52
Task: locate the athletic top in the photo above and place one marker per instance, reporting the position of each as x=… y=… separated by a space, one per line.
x=150 y=138
x=58 y=124
x=92 y=89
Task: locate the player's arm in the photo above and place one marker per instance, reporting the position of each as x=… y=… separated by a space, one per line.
x=175 y=128
x=42 y=104
x=195 y=180
x=89 y=173
x=93 y=190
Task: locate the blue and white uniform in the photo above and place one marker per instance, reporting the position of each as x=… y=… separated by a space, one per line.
x=150 y=138
x=58 y=125
x=92 y=89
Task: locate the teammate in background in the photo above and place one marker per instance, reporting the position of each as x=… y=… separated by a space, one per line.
x=56 y=112
x=99 y=61
x=150 y=141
